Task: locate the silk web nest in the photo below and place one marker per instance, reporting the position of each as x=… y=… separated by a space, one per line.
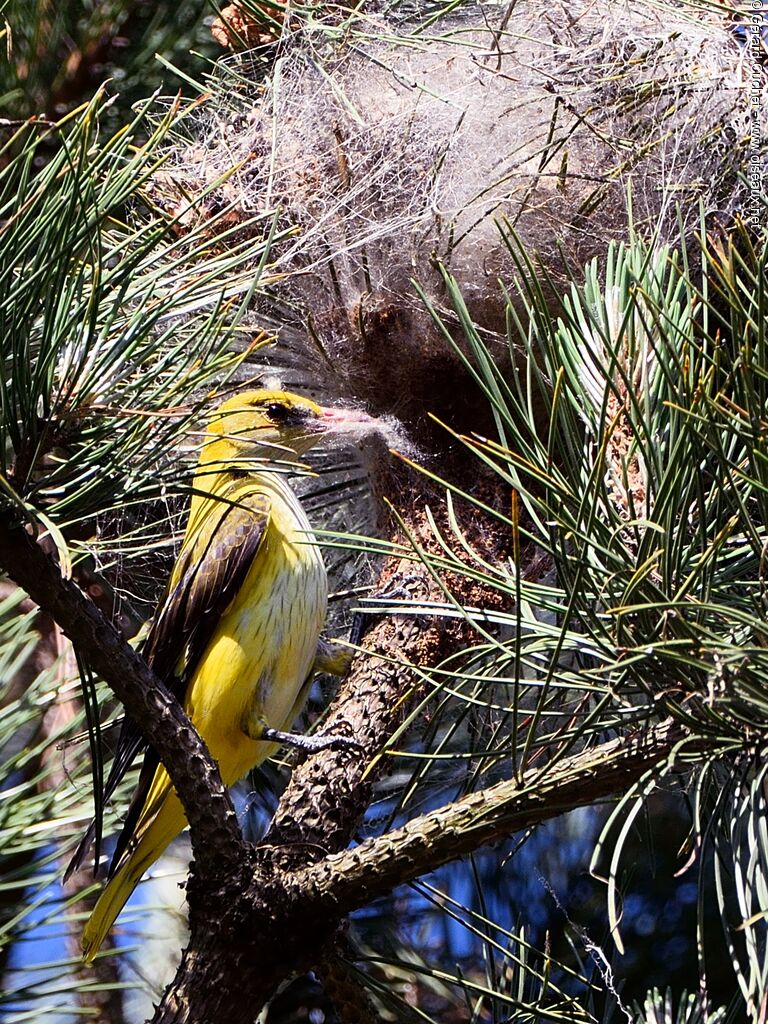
x=394 y=155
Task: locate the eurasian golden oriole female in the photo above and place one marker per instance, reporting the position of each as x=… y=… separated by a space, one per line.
x=237 y=635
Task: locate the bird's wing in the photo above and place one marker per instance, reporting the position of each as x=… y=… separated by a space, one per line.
x=210 y=570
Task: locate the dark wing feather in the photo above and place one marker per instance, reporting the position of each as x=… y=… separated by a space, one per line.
x=209 y=572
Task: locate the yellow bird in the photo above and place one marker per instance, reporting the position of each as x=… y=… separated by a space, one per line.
x=237 y=634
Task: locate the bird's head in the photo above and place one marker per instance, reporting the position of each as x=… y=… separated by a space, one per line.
x=276 y=424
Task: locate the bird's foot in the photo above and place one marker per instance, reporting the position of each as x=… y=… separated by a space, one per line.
x=309 y=744
x=331 y=658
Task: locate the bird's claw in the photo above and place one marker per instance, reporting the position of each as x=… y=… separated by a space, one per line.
x=330 y=742
x=310 y=744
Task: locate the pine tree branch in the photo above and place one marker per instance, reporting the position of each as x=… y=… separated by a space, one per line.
x=352 y=878
x=216 y=838
x=284 y=923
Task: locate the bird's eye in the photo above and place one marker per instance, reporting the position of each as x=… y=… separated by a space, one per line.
x=278 y=412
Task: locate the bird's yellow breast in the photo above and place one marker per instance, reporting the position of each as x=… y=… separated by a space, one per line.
x=265 y=642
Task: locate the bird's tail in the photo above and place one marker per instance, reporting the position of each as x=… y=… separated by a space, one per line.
x=154 y=835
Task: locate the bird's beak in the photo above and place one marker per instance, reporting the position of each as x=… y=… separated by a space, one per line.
x=347 y=421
